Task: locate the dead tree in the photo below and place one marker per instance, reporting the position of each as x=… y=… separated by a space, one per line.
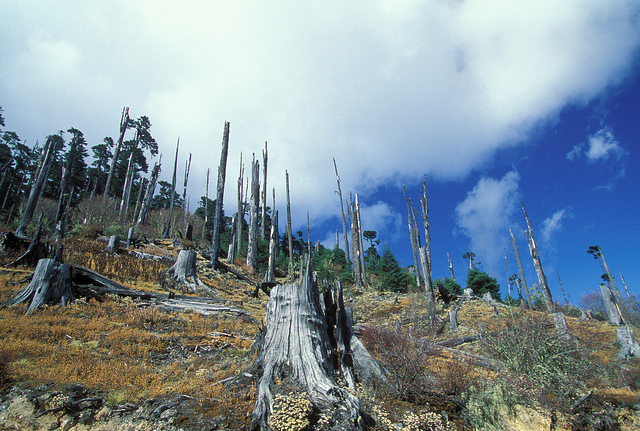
x=357 y=270
x=308 y=342
x=426 y=260
x=252 y=247
x=184 y=270
x=126 y=191
x=51 y=147
x=263 y=222
x=344 y=222
x=148 y=195
x=269 y=276
x=453 y=277
x=506 y=267
x=521 y=270
x=240 y=215
x=611 y=305
x=363 y=267
x=598 y=254
x=566 y=301
x=217 y=220
x=533 y=249
x=412 y=236
x=124 y=124
x=187 y=168
x=289 y=234
x=141 y=188
x=624 y=283
x=167 y=227
x=50 y=284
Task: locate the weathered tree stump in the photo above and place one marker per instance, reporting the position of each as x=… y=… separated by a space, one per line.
x=184 y=270
x=613 y=311
x=307 y=348
x=51 y=283
x=453 y=320
x=114 y=243
x=628 y=345
x=562 y=329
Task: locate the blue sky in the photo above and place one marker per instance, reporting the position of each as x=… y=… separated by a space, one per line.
x=497 y=102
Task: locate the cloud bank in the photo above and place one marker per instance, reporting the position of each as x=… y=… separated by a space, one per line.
x=390 y=89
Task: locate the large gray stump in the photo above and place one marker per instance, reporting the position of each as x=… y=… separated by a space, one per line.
x=184 y=270
x=306 y=346
x=51 y=283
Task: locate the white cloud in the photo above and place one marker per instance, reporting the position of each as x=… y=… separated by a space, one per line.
x=391 y=90
x=602 y=144
x=553 y=224
x=485 y=216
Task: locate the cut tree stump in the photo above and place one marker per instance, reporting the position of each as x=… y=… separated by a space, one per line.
x=50 y=284
x=306 y=349
x=184 y=270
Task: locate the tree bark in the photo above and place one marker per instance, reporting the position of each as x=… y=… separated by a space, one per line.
x=51 y=283
x=167 y=228
x=611 y=280
x=269 y=276
x=113 y=245
x=252 y=249
x=126 y=191
x=521 y=270
x=263 y=222
x=533 y=249
x=184 y=270
x=305 y=347
x=344 y=222
x=613 y=312
x=629 y=347
x=217 y=221
x=187 y=168
x=412 y=237
x=240 y=215
x=453 y=277
x=363 y=267
x=353 y=220
x=148 y=195
x=427 y=248
x=289 y=233
x=38 y=185
x=124 y=123
x=430 y=297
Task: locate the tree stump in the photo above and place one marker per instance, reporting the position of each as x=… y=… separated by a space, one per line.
x=114 y=243
x=613 y=312
x=628 y=345
x=453 y=320
x=185 y=269
x=562 y=329
x=308 y=345
x=51 y=283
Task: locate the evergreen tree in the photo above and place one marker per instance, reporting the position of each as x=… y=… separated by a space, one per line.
x=391 y=276
x=481 y=283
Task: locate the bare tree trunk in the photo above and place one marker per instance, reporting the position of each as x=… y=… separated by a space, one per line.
x=453 y=277
x=187 y=168
x=38 y=185
x=231 y=253
x=148 y=195
x=412 y=237
x=344 y=222
x=252 y=249
x=240 y=216
x=308 y=235
x=357 y=272
x=269 y=277
x=184 y=270
x=533 y=249
x=217 y=221
x=606 y=267
x=624 y=283
x=206 y=201
x=124 y=122
x=363 y=268
x=167 y=227
x=306 y=346
x=521 y=270
x=141 y=188
x=506 y=266
x=562 y=287
x=289 y=233
x=124 y=204
x=65 y=183
x=427 y=252
x=263 y=222
x=430 y=297
x=613 y=311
